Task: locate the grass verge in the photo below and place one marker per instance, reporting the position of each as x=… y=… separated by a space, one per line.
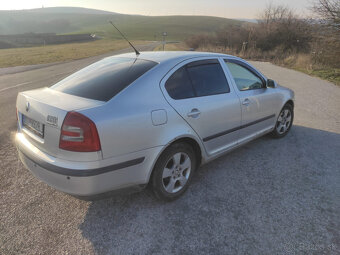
x=60 y=52
x=328 y=74
x=172 y=47
x=304 y=63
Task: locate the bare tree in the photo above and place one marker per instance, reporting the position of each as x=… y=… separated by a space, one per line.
x=329 y=11
x=275 y=13
x=280 y=27
x=200 y=40
x=326 y=43
x=232 y=37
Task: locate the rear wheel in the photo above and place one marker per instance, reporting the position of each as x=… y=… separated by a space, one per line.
x=284 y=122
x=173 y=171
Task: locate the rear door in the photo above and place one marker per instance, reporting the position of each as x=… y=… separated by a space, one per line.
x=258 y=103
x=199 y=91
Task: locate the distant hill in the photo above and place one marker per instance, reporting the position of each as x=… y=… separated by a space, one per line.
x=79 y=10
x=65 y=20
x=249 y=20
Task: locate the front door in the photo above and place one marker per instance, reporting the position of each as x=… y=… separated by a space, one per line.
x=257 y=102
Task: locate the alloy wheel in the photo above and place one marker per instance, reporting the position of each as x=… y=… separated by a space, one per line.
x=176 y=172
x=284 y=121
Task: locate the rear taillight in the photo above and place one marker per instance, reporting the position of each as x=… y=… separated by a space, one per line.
x=79 y=133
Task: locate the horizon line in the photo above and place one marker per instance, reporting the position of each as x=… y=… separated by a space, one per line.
x=113 y=12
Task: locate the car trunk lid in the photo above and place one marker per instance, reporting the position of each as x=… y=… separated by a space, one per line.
x=41 y=114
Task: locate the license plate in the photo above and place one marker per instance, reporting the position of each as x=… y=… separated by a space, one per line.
x=34 y=126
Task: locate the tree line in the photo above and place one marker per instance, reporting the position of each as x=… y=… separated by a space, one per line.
x=281 y=34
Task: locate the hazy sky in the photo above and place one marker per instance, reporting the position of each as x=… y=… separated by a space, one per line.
x=221 y=8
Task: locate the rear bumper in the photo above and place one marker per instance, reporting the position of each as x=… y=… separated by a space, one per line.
x=88 y=178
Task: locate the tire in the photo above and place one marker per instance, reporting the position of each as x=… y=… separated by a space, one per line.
x=173 y=171
x=284 y=122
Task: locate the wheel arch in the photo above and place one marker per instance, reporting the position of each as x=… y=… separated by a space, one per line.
x=192 y=141
x=194 y=144
x=286 y=101
x=290 y=102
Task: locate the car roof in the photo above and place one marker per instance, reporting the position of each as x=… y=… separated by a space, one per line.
x=165 y=56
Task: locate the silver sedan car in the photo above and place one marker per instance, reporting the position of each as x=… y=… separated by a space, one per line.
x=128 y=121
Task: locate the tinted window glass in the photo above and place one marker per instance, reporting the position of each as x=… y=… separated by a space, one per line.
x=104 y=79
x=244 y=79
x=198 y=78
x=207 y=78
x=179 y=85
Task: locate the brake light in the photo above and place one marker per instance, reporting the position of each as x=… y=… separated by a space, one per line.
x=79 y=133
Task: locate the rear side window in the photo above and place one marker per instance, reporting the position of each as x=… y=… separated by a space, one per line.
x=196 y=79
x=104 y=79
x=207 y=78
x=179 y=85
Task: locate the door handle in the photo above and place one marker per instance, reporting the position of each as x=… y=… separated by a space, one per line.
x=246 y=102
x=194 y=113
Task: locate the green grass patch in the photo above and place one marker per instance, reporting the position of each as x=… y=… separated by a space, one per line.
x=329 y=74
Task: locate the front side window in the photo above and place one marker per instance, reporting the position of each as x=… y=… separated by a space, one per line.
x=196 y=79
x=244 y=78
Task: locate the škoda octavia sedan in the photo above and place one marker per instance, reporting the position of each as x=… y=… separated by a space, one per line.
x=128 y=121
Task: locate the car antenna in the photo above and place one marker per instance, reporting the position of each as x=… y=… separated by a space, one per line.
x=136 y=51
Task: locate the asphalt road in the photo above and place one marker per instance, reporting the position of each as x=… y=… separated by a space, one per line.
x=268 y=197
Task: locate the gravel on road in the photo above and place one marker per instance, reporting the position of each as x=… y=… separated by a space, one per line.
x=267 y=197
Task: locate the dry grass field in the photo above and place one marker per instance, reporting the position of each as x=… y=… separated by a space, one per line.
x=172 y=47
x=59 y=53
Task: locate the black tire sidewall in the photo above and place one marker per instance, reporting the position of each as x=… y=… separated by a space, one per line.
x=157 y=180
x=275 y=133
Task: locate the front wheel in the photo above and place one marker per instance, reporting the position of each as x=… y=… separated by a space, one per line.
x=284 y=122
x=173 y=171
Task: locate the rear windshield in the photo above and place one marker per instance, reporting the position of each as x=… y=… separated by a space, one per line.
x=104 y=79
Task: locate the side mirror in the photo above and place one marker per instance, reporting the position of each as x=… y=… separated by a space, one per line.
x=271 y=84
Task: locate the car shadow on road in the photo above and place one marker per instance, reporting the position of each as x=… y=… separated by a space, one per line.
x=269 y=196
